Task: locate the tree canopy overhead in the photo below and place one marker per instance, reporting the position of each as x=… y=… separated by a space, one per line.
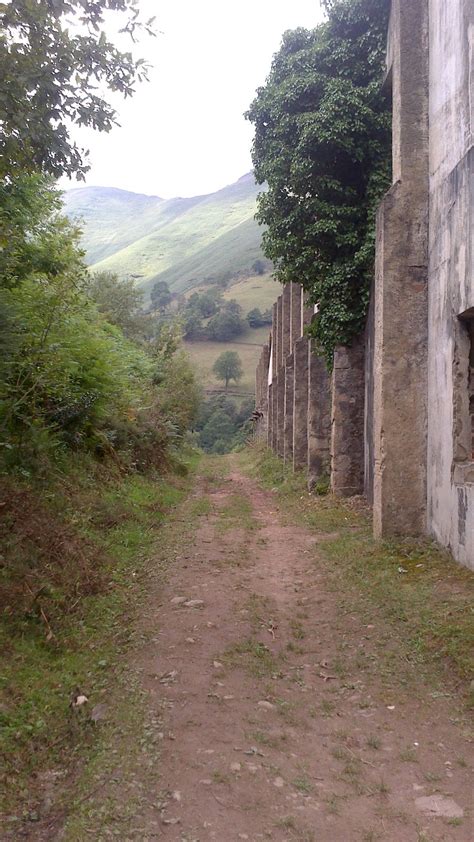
x=55 y=62
x=322 y=144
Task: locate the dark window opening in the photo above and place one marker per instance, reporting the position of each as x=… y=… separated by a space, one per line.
x=470 y=330
x=464 y=388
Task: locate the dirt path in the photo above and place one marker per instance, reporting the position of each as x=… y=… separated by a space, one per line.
x=265 y=731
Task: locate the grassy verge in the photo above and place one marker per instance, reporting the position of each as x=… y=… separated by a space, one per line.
x=425 y=598
x=75 y=557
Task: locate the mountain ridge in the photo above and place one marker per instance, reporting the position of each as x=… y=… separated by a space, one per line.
x=211 y=236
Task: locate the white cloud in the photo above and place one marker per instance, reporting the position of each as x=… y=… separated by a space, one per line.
x=184 y=132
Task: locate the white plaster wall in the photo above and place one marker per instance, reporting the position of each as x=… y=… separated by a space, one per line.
x=451 y=247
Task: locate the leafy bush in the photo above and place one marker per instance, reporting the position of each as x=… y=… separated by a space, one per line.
x=70 y=379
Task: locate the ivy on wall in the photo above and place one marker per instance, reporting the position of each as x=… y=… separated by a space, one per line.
x=322 y=144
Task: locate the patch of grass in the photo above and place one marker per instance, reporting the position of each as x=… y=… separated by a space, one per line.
x=220 y=777
x=257 y=607
x=303 y=784
x=333 y=803
x=432 y=777
x=374 y=742
x=287 y=823
x=409 y=755
x=294 y=647
x=265 y=740
x=297 y=630
x=201 y=507
x=287 y=711
x=237 y=513
x=252 y=656
x=383 y=788
x=430 y=600
x=327 y=707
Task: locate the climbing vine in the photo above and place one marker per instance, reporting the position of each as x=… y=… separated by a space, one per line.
x=322 y=145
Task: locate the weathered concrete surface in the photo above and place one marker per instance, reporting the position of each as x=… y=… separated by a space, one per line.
x=369 y=404
x=270 y=416
x=347 y=420
x=288 y=410
x=319 y=418
x=274 y=340
x=300 y=404
x=261 y=393
x=280 y=444
x=286 y=322
x=401 y=325
x=451 y=276
x=295 y=314
x=274 y=441
x=279 y=334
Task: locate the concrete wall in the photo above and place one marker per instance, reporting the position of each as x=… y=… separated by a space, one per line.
x=300 y=404
x=347 y=420
x=319 y=418
x=451 y=275
x=400 y=295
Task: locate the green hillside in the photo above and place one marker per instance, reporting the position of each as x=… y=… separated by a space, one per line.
x=232 y=253
x=191 y=240
x=189 y=243
x=112 y=219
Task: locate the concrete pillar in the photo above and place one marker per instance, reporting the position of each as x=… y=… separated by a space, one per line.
x=319 y=417
x=279 y=334
x=270 y=416
x=288 y=410
x=274 y=339
x=280 y=443
x=274 y=414
x=295 y=313
x=261 y=392
x=347 y=420
x=401 y=288
x=300 y=403
x=286 y=322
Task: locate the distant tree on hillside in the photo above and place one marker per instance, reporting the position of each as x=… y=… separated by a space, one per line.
x=160 y=296
x=192 y=325
x=225 y=326
x=228 y=366
x=206 y=303
x=227 y=323
x=258 y=266
x=256 y=318
x=233 y=306
x=120 y=301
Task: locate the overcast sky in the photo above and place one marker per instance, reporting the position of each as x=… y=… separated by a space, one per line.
x=183 y=133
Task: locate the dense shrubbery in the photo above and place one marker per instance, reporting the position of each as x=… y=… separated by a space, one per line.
x=70 y=378
x=222 y=425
